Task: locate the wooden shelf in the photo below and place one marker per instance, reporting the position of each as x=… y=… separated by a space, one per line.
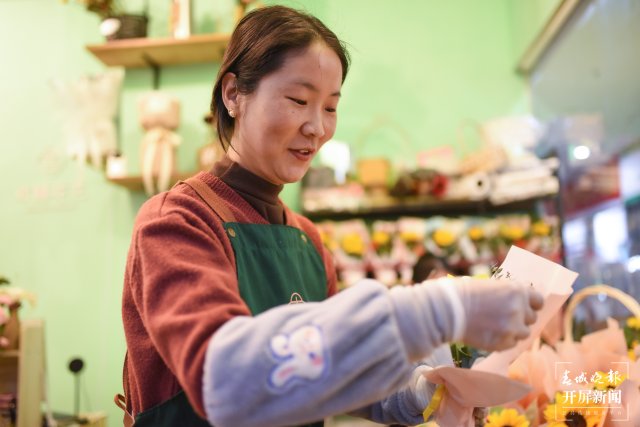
x=145 y=52
x=390 y=207
x=134 y=183
x=9 y=354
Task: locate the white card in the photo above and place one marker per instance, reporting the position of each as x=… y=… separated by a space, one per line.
x=552 y=280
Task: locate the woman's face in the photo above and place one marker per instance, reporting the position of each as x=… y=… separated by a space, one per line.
x=280 y=127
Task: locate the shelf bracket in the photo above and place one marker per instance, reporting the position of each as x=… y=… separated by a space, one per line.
x=155 y=68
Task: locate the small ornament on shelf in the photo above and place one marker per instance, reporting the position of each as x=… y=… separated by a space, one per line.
x=180 y=27
x=160 y=117
x=87 y=108
x=115 y=22
x=116 y=166
x=10 y=302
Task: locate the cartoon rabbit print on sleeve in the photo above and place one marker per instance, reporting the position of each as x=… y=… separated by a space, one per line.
x=299 y=356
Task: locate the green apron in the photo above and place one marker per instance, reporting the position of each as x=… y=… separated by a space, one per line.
x=276 y=265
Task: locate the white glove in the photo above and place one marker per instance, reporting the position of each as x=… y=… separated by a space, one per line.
x=421 y=390
x=484 y=313
x=498 y=313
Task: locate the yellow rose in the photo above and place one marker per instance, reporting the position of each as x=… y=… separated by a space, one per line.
x=633 y=322
x=476 y=233
x=541 y=228
x=380 y=238
x=512 y=232
x=409 y=236
x=443 y=238
x=352 y=244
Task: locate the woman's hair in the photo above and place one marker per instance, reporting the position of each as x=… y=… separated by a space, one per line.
x=259 y=46
x=427 y=264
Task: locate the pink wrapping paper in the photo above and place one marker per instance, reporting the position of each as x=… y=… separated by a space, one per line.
x=467 y=389
x=602 y=350
x=486 y=383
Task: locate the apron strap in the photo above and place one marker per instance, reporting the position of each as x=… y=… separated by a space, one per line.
x=210 y=198
x=120 y=400
x=217 y=205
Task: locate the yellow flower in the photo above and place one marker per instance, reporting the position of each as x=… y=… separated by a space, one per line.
x=380 y=238
x=409 y=236
x=352 y=244
x=507 y=418
x=561 y=414
x=476 y=233
x=512 y=232
x=328 y=241
x=631 y=353
x=541 y=228
x=633 y=323
x=607 y=380
x=443 y=238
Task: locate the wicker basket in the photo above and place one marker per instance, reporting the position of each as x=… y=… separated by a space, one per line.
x=377 y=172
x=490 y=156
x=131 y=26
x=628 y=301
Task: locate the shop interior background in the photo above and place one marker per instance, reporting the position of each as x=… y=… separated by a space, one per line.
x=426 y=65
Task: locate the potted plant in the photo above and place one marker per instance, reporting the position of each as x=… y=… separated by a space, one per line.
x=116 y=24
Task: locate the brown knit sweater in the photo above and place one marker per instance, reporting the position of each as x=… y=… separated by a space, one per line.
x=181 y=282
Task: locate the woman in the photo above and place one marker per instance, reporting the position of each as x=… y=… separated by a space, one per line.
x=215 y=263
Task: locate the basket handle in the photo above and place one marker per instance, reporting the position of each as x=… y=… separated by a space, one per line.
x=477 y=128
x=628 y=301
x=382 y=122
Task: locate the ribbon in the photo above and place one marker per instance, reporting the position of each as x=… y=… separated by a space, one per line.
x=435 y=402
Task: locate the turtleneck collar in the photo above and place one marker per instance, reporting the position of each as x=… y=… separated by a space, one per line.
x=260 y=193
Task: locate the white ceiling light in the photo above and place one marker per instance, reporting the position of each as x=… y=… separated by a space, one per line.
x=581 y=152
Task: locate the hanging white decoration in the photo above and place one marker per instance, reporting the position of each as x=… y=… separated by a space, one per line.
x=87 y=108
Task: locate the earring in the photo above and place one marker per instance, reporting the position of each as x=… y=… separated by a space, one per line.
x=232 y=113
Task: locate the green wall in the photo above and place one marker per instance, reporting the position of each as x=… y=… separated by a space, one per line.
x=424 y=65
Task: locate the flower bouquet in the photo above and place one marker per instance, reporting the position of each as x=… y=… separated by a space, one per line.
x=443 y=239
x=327 y=230
x=512 y=230
x=592 y=382
x=409 y=246
x=489 y=377
x=544 y=238
x=352 y=251
x=480 y=233
x=383 y=257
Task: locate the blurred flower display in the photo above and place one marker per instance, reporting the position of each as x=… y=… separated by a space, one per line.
x=353 y=245
x=467 y=245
